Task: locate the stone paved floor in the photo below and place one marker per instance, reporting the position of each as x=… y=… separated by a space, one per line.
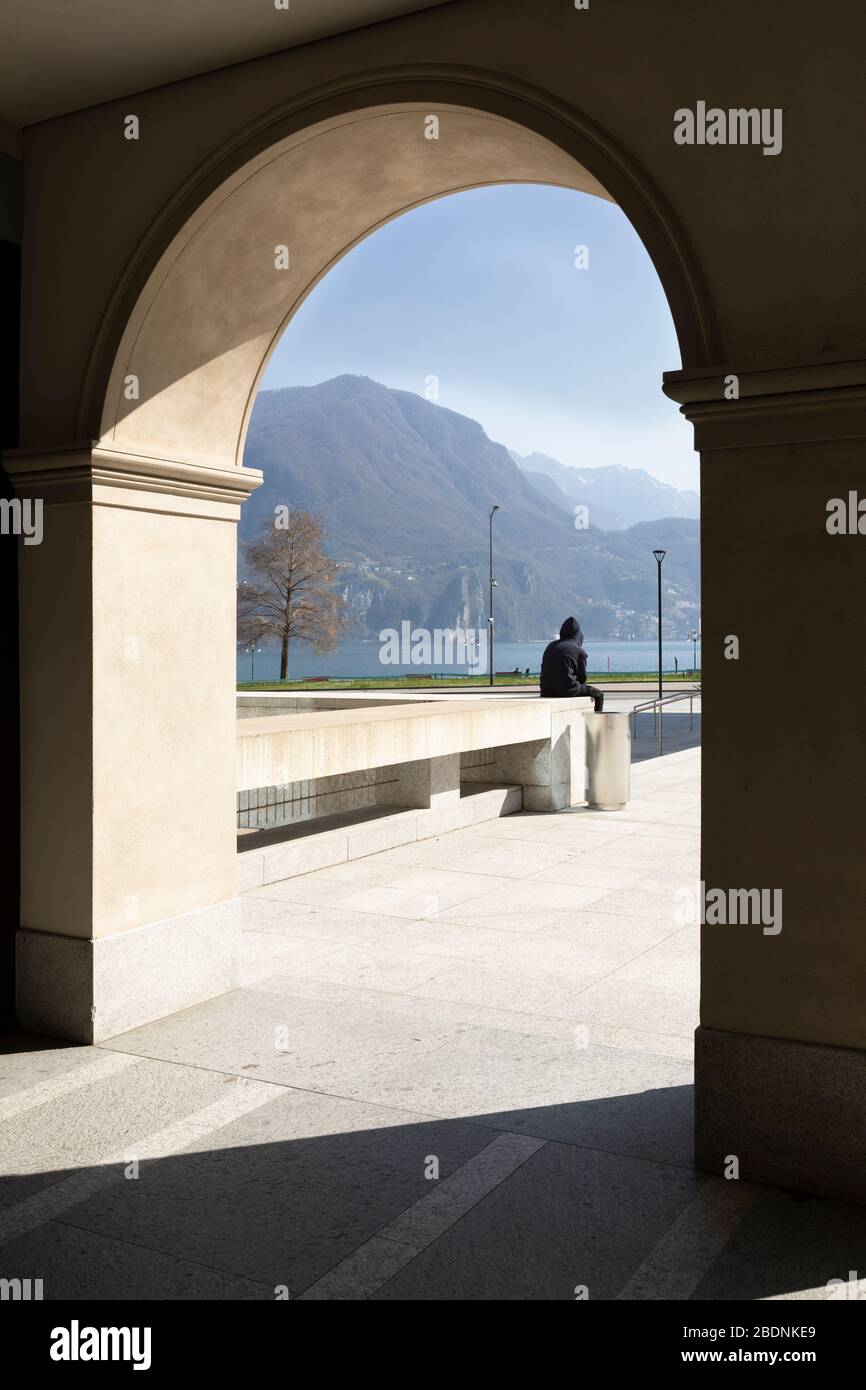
x=681 y=729
x=457 y=1070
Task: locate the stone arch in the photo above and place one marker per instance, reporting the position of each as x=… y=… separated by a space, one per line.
x=202 y=304
x=131 y=744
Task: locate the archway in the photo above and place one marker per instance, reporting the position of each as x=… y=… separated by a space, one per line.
x=136 y=919
x=204 y=303
x=127 y=624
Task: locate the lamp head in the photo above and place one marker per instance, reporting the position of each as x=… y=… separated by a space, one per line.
x=660 y=555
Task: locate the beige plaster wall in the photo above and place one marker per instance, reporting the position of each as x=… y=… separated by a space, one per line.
x=785 y=733
x=777 y=239
x=163 y=707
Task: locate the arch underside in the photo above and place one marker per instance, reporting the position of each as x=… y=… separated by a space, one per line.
x=215 y=303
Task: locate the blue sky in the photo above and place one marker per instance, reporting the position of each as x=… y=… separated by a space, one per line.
x=480 y=290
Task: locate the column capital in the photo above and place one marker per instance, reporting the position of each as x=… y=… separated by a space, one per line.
x=86 y=471
x=775 y=403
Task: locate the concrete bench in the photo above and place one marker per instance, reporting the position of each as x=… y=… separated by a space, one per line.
x=432 y=766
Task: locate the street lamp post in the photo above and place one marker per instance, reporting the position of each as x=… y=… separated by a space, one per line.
x=492 y=587
x=659 y=556
x=693 y=637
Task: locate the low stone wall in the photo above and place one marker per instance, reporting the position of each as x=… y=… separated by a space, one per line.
x=285 y=748
x=323 y=756
x=268 y=807
x=271 y=862
x=257 y=706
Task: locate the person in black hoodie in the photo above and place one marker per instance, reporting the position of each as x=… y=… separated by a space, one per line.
x=563 y=666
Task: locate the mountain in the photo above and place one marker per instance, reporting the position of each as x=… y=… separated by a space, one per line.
x=543 y=483
x=616 y=496
x=405 y=488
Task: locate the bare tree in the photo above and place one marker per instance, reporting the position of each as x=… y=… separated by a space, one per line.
x=290 y=592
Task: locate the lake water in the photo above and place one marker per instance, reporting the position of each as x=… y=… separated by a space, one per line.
x=362 y=659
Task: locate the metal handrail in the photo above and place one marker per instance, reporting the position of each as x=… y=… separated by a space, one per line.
x=668 y=699
x=656 y=707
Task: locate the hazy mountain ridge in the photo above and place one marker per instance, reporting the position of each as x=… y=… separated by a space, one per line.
x=616 y=496
x=405 y=489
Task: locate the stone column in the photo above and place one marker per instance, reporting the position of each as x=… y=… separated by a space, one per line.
x=129 y=907
x=551 y=771
x=428 y=784
x=781 y=1050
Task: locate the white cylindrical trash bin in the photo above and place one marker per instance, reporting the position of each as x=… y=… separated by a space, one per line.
x=608 y=761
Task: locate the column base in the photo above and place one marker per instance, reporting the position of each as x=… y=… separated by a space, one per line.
x=427 y=784
x=87 y=991
x=551 y=771
x=793 y=1113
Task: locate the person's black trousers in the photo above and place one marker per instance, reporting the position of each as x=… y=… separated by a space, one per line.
x=594 y=694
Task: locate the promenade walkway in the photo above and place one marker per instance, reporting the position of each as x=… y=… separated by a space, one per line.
x=456 y=1070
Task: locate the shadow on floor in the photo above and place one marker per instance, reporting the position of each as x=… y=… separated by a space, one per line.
x=287 y=1195
x=679 y=732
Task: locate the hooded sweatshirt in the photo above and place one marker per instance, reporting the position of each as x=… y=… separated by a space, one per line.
x=563 y=666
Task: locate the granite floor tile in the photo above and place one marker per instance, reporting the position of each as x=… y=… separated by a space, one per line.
x=564 y=1222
